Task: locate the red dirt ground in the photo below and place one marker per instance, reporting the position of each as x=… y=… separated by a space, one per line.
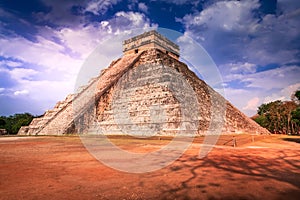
x=61 y=168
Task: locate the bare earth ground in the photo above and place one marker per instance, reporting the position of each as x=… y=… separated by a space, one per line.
x=61 y=168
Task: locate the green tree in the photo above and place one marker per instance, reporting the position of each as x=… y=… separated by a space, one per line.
x=14 y=122
x=270 y=116
x=287 y=108
x=295 y=119
x=297 y=95
x=280 y=116
x=2 y=122
x=261 y=120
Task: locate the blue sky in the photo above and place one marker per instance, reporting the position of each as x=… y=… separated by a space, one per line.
x=43 y=44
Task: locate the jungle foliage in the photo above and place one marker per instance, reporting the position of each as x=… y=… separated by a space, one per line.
x=281 y=116
x=13 y=123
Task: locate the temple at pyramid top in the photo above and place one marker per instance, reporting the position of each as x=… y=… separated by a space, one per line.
x=149 y=40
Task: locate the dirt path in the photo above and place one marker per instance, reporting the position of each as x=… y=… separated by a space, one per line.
x=61 y=168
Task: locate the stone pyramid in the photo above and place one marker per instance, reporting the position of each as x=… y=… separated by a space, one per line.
x=146 y=92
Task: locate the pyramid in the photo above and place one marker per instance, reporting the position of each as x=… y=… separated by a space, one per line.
x=148 y=91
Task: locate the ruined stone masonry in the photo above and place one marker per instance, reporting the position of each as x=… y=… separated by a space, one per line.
x=147 y=91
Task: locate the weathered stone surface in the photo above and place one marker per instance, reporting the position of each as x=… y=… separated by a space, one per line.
x=150 y=40
x=144 y=93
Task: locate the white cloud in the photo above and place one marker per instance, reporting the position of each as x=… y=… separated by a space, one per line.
x=224 y=16
x=84 y=39
x=283 y=95
x=274 y=97
x=252 y=104
x=271 y=85
x=48 y=67
x=181 y=2
x=21 y=73
x=135 y=19
x=21 y=92
x=100 y=6
x=287 y=6
x=238 y=68
x=75 y=43
x=289 y=90
x=231 y=31
x=245 y=74
x=11 y=63
x=240 y=97
x=63 y=57
x=248 y=100
x=104 y=23
x=44 y=53
x=143 y=7
x=244 y=67
x=275 y=78
x=81 y=40
x=47 y=91
x=274 y=40
x=223 y=28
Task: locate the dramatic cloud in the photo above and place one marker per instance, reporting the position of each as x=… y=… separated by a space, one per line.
x=232 y=29
x=98 y=7
x=47 y=67
x=43 y=52
x=60 y=13
x=270 y=85
x=257 y=53
x=288 y=5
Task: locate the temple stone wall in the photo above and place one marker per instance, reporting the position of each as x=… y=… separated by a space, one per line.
x=150 y=40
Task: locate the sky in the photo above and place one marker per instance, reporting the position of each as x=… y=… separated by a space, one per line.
x=255 y=45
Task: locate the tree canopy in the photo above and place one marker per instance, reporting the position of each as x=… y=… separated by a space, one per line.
x=297 y=95
x=281 y=116
x=13 y=123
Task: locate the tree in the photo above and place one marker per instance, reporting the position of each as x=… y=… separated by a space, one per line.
x=2 y=122
x=14 y=122
x=281 y=116
x=297 y=94
x=296 y=120
x=270 y=116
x=287 y=108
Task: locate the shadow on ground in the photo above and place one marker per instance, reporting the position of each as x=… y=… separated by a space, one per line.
x=297 y=140
x=230 y=176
